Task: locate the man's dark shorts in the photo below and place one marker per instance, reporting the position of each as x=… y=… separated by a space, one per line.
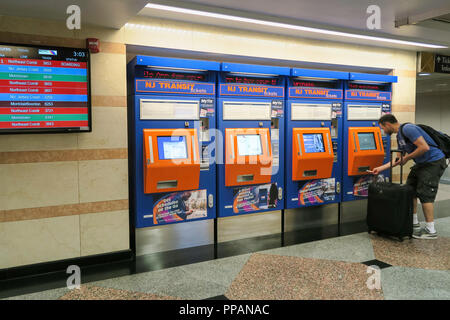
x=424 y=177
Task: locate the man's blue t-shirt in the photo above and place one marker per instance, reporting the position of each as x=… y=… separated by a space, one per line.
x=413 y=132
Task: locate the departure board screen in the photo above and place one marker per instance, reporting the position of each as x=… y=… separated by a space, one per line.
x=44 y=89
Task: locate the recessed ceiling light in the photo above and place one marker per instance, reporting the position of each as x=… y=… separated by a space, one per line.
x=290 y=26
x=424 y=74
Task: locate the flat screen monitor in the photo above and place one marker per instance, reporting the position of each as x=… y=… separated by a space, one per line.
x=313 y=142
x=44 y=89
x=249 y=144
x=172 y=147
x=366 y=141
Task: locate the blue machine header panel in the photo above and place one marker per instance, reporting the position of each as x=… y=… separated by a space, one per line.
x=176 y=63
x=255 y=69
x=369 y=87
x=368 y=77
x=319 y=74
x=252 y=80
x=316 y=84
x=172 y=76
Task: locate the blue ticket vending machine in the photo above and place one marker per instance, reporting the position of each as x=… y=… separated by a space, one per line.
x=367 y=98
x=250 y=120
x=172 y=117
x=314 y=138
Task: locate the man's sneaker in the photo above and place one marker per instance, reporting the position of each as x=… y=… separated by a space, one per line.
x=424 y=233
x=416 y=226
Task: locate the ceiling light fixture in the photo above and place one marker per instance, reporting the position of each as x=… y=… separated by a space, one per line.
x=290 y=26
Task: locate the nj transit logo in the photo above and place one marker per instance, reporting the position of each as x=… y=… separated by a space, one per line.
x=367 y=95
x=300 y=92
x=251 y=90
x=159 y=86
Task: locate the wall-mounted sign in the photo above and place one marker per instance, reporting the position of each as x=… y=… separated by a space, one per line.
x=441 y=63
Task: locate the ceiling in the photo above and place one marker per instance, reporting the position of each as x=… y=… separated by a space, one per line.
x=414 y=17
x=418 y=20
x=104 y=13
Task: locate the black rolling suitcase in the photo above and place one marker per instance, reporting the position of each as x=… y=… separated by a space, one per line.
x=390 y=207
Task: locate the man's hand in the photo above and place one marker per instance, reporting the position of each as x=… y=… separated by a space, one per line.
x=376 y=171
x=399 y=160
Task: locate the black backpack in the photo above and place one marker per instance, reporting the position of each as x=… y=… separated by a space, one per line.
x=441 y=139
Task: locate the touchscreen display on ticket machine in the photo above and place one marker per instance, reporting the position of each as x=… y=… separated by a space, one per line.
x=172 y=160
x=365 y=149
x=248 y=156
x=313 y=154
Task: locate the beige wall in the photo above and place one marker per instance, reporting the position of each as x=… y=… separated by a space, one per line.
x=66 y=195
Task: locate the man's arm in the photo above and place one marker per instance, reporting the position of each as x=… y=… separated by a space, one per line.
x=422 y=147
x=384 y=167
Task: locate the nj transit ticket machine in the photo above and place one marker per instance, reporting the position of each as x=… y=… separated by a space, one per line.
x=172 y=161
x=367 y=98
x=314 y=137
x=251 y=120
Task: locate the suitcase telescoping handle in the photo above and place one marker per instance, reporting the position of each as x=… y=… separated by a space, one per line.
x=401 y=165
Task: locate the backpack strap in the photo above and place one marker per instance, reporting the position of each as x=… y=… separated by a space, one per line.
x=401 y=131
x=418 y=125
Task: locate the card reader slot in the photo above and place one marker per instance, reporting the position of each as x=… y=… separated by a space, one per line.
x=363 y=169
x=245 y=177
x=167 y=184
x=310 y=173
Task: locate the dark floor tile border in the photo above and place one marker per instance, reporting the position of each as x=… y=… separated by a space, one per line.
x=378 y=263
x=174 y=258
x=108 y=267
x=35 y=278
x=222 y=297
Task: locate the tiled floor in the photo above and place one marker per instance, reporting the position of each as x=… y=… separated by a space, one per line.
x=335 y=268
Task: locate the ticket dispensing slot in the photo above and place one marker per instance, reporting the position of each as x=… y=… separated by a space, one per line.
x=312 y=156
x=365 y=149
x=248 y=157
x=172 y=161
